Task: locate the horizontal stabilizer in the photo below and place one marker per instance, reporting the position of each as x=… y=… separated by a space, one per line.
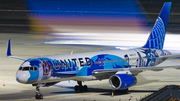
x=9 y=48
x=9 y=52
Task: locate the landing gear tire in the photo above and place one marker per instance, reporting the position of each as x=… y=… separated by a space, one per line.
x=85 y=88
x=39 y=96
x=76 y=89
x=125 y=91
x=79 y=88
x=38 y=93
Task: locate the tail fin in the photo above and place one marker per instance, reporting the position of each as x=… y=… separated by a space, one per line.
x=157 y=36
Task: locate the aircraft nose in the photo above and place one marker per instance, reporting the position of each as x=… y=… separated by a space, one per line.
x=23 y=76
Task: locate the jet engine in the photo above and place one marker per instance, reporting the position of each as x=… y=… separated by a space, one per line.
x=49 y=84
x=122 y=81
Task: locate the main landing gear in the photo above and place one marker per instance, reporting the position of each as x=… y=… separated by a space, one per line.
x=79 y=88
x=38 y=93
x=125 y=91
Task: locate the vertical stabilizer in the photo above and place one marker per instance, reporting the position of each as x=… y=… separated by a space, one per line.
x=157 y=36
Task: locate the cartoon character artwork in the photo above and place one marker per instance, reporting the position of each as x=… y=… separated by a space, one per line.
x=151 y=56
x=47 y=68
x=126 y=58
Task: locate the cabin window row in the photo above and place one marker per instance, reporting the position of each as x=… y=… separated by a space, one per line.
x=108 y=61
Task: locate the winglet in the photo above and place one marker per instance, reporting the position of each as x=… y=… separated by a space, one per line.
x=157 y=36
x=9 y=48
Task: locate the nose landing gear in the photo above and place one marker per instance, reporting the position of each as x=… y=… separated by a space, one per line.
x=79 y=88
x=38 y=93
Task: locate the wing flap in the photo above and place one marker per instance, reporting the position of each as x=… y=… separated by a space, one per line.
x=108 y=72
x=170 y=56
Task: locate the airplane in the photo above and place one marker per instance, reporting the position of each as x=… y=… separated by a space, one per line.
x=119 y=66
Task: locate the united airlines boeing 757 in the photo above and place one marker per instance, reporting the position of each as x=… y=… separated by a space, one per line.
x=119 y=66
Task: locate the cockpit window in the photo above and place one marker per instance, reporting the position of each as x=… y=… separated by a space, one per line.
x=35 y=68
x=28 y=68
x=31 y=68
x=25 y=68
x=20 y=68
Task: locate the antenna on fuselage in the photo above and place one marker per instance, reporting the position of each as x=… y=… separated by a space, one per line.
x=71 y=52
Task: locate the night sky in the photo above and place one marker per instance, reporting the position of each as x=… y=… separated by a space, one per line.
x=95 y=14
x=83 y=13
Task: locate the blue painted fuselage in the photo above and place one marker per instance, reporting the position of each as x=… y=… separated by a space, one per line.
x=83 y=64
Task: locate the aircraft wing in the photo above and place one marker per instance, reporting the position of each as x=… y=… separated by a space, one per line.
x=106 y=73
x=170 y=56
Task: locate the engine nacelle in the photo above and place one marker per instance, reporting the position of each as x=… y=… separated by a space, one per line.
x=49 y=84
x=122 y=81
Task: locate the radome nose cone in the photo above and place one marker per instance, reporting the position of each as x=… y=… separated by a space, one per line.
x=22 y=77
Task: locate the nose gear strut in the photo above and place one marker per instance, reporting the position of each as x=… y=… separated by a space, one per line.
x=38 y=93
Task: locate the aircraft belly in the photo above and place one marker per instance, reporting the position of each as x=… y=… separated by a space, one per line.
x=76 y=78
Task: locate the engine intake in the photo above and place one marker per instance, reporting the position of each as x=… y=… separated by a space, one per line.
x=122 y=81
